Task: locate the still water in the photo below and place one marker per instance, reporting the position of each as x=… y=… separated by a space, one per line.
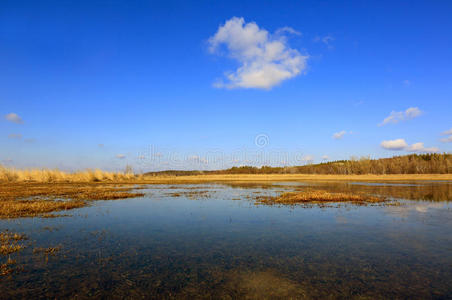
x=213 y=241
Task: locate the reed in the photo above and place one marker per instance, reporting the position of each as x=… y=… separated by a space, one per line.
x=55 y=175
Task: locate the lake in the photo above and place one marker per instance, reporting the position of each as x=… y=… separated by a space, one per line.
x=214 y=241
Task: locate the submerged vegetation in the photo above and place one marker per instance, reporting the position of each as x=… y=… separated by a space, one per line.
x=320 y=197
x=9 y=244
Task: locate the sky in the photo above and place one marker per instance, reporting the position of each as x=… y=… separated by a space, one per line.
x=213 y=84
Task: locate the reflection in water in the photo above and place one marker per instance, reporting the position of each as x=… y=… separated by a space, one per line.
x=224 y=247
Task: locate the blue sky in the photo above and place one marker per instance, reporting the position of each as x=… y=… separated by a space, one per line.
x=103 y=84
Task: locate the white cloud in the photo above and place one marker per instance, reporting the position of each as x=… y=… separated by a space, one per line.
x=398 y=144
x=397 y=116
x=401 y=144
x=419 y=147
x=120 y=156
x=339 y=135
x=325 y=157
x=13 y=117
x=265 y=60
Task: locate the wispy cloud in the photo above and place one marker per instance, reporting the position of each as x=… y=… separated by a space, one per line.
x=325 y=40
x=406 y=82
x=197 y=159
x=449 y=138
x=325 y=157
x=288 y=30
x=339 y=135
x=309 y=159
x=120 y=156
x=15 y=118
x=7 y=161
x=265 y=60
x=401 y=144
x=15 y=136
x=398 y=116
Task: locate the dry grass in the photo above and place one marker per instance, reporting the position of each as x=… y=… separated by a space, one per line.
x=47 y=175
x=39 y=199
x=320 y=197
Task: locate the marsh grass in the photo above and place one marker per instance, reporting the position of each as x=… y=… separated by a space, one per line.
x=55 y=175
x=320 y=197
x=40 y=199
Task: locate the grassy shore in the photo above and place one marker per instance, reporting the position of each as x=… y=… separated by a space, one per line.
x=293 y=177
x=11 y=175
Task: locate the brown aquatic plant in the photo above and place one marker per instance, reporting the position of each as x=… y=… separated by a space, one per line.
x=47 y=251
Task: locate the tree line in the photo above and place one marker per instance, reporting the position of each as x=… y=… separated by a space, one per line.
x=431 y=163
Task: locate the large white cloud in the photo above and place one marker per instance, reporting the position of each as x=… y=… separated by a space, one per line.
x=401 y=144
x=265 y=59
x=398 y=116
x=13 y=117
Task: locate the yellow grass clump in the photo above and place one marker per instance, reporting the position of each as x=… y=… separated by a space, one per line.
x=321 y=197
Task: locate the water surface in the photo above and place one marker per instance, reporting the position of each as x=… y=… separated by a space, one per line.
x=212 y=241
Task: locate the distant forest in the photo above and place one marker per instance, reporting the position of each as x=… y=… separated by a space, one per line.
x=407 y=164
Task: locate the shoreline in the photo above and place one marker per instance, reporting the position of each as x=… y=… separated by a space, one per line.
x=248 y=178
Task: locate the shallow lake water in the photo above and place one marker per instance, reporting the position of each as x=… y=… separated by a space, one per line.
x=213 y=241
